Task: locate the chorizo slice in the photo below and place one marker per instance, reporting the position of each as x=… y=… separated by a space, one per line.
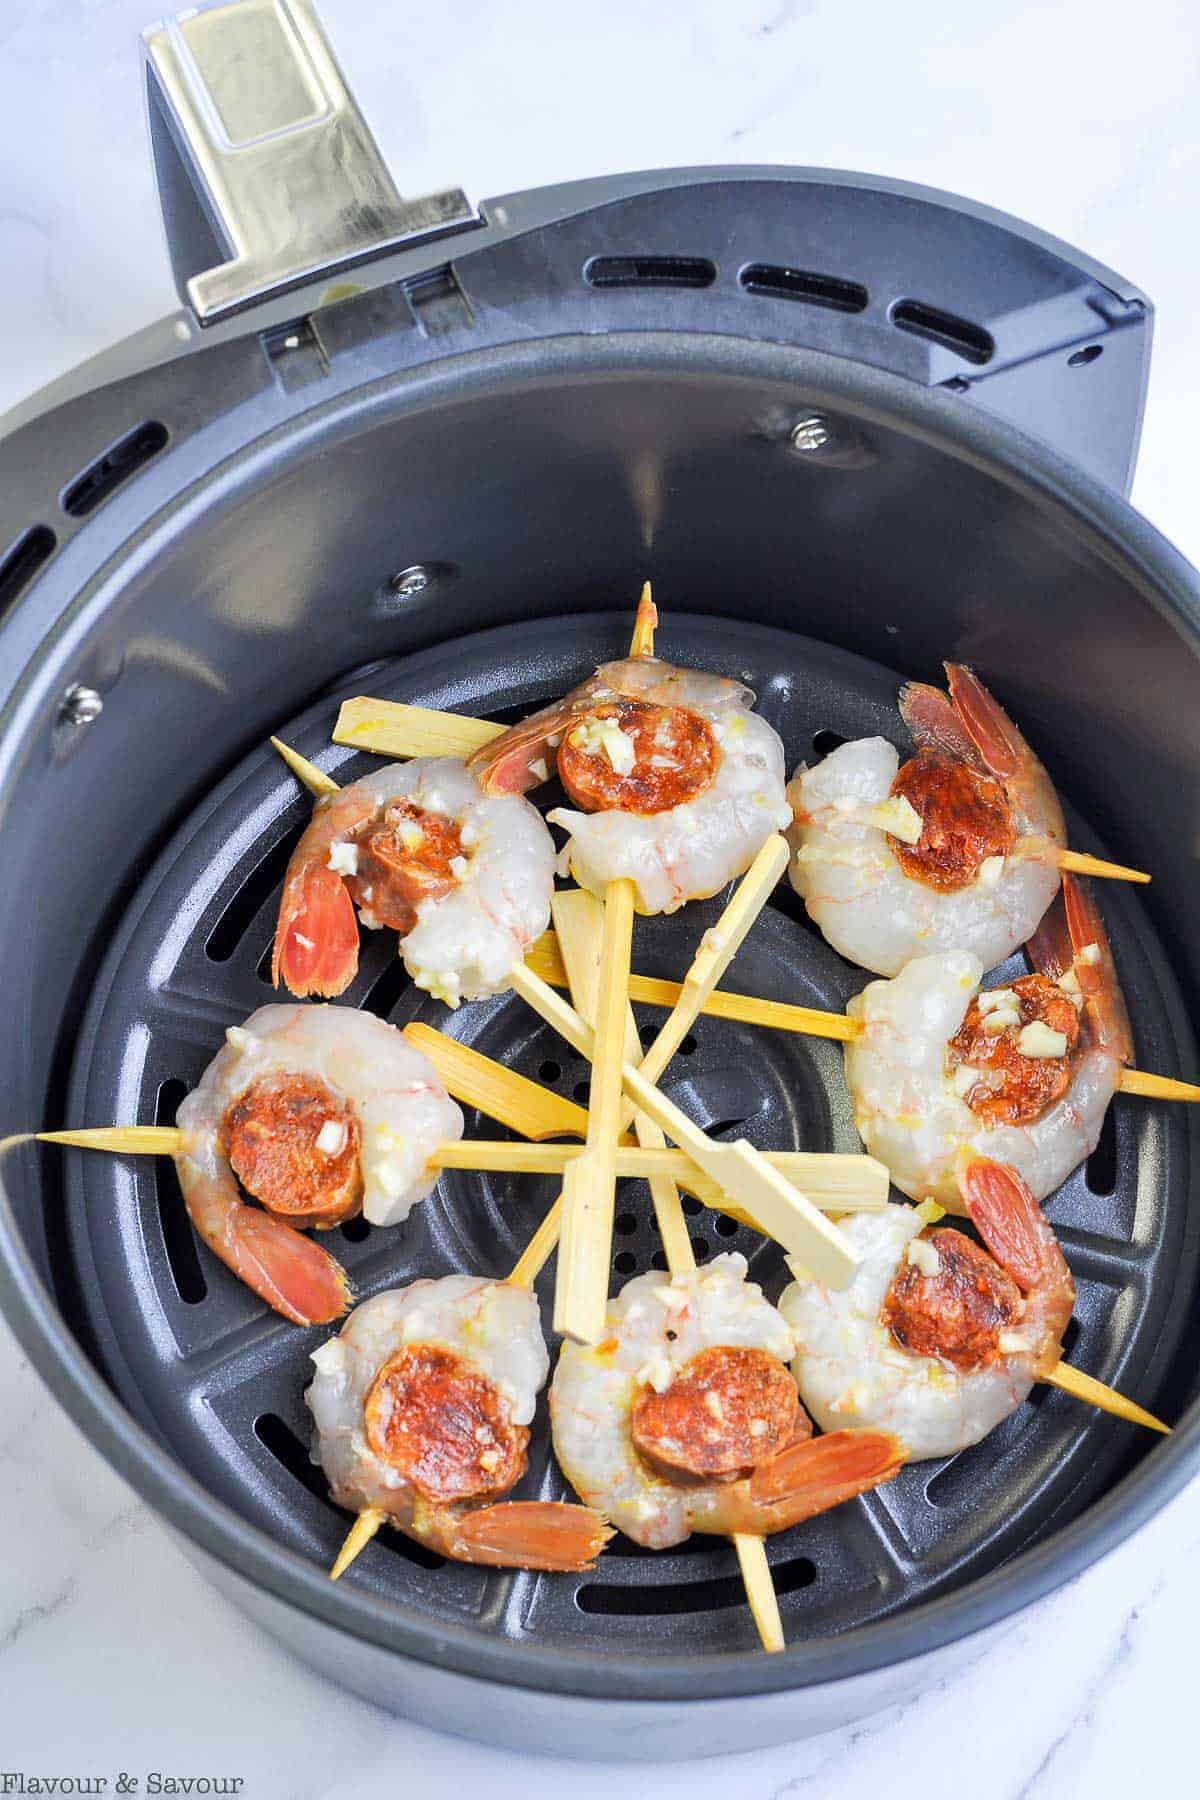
x=444 y=1426
x=727 y=1410
x=294 y=1144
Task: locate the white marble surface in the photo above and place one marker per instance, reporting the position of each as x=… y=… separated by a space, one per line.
x=115 y=1656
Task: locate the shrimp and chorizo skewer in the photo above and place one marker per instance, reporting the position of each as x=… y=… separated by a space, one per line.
x=1021 y=1074
x=463 y=876
x=319 y=1113
x=960 y=848
x=936 y=1338
x=685 y=1418
x=421 y=1408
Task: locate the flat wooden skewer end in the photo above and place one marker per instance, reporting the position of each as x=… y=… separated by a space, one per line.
x=388 y=728
x=357 y=1539
x=1156 y=1087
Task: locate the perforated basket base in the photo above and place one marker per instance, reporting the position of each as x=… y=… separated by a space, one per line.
x=219 y=1379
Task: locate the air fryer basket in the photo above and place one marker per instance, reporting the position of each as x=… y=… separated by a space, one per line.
x=820 y=524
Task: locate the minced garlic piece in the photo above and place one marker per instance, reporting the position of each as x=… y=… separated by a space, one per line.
x=712 y=1406
x=929 y=1212
x=1037 y=1039
x=458 y=867
x=1090 y=954
x=898 y=817
x=990 y=870
x=239 y=1040
x=343 y=857
x=656 y=1373
x=410 y=834
x=539 y=769
x=923 y=1256
x=965 y=1078
x=596 y=736
x=991 y=998
x=1011 y=1343
x=1000 y=1020
x=331 y=1139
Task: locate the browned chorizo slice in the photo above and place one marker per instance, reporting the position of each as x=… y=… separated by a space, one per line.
x=958 y=1314
x=675 y=756
x=1015 y=1089
x=404 y=862
x=444 y=1425
x=728 y=1409
x=294 y=1145
x=965 y=818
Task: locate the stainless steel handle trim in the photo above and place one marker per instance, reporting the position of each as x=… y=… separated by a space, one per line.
x=277 y=152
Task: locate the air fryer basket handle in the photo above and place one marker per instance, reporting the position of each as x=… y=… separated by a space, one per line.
x=267 y=172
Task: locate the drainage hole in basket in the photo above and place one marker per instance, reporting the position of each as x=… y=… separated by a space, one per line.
x=634 y=1600
x=383 y=996
x=826 y=741
x=1101 y=1173
x=276 y=1436
x=357 y=1230
x=179 y=1239
x=550 y=1072
x=625 y=1224
x=249 y=900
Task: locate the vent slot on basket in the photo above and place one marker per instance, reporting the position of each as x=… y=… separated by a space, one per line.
x=650 y=271
x=23 y=561
x=632 y=1600
x=1102 y=1163
x=179 y=1238
x=969 y=341
x=775 y=282
x=117 y=464
x=249 y=900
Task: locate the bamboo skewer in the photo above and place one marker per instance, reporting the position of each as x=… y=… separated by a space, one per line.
x=357 y=1538
x=1078 y=862
x=315 y=780
x=747 y=1177
x=1096 y=1393
x=589 y=1185
x=839 y=1183
x=579 y=920
x=545 y=959
x=580 y=927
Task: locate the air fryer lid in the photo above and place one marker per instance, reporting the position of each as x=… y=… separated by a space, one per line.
x=232 y=565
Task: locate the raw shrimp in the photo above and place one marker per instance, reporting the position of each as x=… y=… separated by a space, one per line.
x=678 y=783
x=934 y=1338
x=1022 y=1074
x=956 y=850
x=321 y=1112
x=464 y=876
x=683 y=1418
x=422 y=1406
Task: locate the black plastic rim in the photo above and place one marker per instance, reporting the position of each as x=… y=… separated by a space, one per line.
x=1116 y=533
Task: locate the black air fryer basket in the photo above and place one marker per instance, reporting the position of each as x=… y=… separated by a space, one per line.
x=849 y=428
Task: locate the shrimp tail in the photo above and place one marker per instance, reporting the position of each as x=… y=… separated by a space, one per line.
x=531 y=1534
x=1050 y=949
x=1095 y=969
x=518 y=759
x=998 y=742
x=287 y=1270
x=936 y=725
x=1006 y=1215
x=1002 y=1209
x=316 y=936
x=819 y=1473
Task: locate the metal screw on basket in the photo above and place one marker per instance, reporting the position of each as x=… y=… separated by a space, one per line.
x=810 y=433
x=412 y=581
x=80 y=705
